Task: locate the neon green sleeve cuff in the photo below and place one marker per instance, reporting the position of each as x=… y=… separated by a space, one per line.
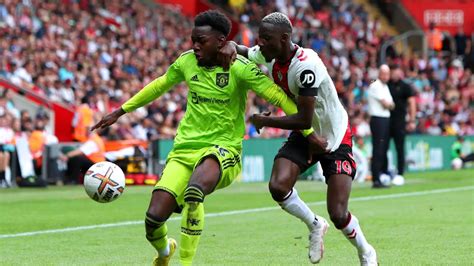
x=307 y=132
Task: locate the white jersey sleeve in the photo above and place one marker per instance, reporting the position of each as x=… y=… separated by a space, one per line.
x=255 y=55
x=309 y=76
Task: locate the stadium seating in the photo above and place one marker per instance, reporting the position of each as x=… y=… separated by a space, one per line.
x=106 y=51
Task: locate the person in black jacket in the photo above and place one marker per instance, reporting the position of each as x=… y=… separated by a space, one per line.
x=403 y=97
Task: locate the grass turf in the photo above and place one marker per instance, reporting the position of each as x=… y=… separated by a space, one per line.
x=407 y=229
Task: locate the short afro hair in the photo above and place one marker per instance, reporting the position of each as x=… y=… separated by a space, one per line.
x=215 y=19
x=280 y=20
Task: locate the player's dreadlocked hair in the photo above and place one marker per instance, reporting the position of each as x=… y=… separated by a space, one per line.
x=215 y=19
x=278 y=19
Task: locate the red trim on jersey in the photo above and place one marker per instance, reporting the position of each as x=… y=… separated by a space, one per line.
x=280 y=74
x=347 y=139
x=282 y=69
x=302 y=56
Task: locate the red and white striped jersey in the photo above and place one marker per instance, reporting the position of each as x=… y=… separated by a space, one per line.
x=305 y=74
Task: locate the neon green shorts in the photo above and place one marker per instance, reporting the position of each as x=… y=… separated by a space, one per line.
x=180 y=165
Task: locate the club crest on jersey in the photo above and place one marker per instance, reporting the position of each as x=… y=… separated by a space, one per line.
x=280 y=76
x=307 y=78
x=222 y=79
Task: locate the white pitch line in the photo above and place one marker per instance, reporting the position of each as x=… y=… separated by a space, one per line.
x=227 y=213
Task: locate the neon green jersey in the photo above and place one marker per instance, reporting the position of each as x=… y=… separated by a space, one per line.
x=215 y=111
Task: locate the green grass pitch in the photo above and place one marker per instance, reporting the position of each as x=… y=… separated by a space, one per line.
x=429 y=221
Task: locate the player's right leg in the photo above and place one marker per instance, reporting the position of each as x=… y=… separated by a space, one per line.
x=216 y=168
x=290 y=161
x=162 y=205
x=163 y=202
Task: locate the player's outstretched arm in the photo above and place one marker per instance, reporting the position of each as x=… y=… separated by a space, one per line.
x=147 y=94
x=109 y=119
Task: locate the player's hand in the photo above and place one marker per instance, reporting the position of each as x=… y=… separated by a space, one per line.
x=258 y=120
x=109 y=119
x=411 y=126
x=226 y=55
x=388 y=104
x=63 y=157
x=317 y=145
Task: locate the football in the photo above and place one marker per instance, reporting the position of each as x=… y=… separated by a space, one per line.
x=104 y=182
x=456 y=163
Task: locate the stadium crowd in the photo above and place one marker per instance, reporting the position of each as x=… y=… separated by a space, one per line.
x=101 y=52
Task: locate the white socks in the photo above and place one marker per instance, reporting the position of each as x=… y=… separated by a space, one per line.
x=354 y=234
x=296 y=207
x=293 y=205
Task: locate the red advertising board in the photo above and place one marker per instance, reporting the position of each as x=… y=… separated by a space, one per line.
x=448 y=15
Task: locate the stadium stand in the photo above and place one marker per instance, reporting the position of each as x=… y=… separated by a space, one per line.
x=106 y=50
x=99 y=53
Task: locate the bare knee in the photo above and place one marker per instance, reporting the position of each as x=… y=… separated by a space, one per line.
x=162 y=205
x=278 y=189
x=339 y=217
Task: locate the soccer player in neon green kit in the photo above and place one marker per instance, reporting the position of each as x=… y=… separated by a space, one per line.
x=207 y=148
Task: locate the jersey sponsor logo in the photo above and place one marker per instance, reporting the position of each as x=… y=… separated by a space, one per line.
x=222 y=79
x=195 y=78
x=196 y=99
x=307 y=78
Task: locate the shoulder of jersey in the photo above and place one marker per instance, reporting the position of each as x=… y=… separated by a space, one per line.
x=187 y=53
x=242 y=60
x=307 y=56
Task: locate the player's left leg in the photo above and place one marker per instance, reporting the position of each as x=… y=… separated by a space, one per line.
x=339 y=187
x=399 y=139
x=340 y=167
x=217 y=169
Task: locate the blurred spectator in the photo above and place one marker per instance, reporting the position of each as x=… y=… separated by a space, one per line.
x=457 y=151
x=380 y=103
x=6 y=140
x=403 y=98
x=83 y=119
x=435 y=37
x=37 y=140
x=80 y=159
x=461 y=42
